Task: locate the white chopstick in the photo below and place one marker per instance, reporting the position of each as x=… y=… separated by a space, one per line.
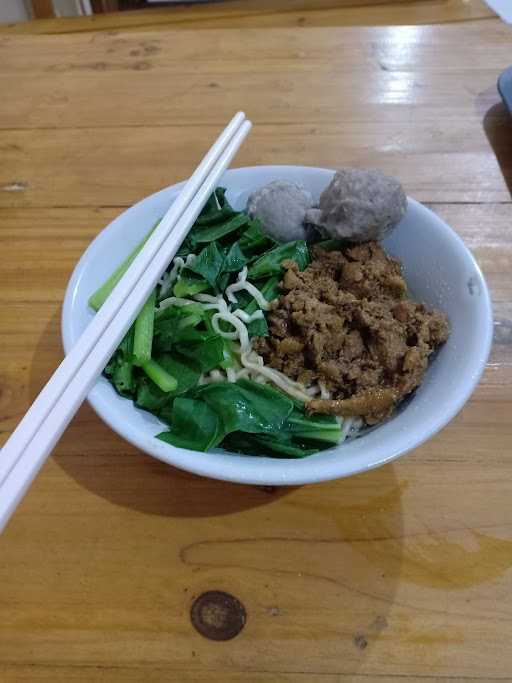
x=46 y=399
x=38 y=432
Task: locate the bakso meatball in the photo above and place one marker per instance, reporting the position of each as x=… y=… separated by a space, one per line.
x=281 y=206
x=359 y=205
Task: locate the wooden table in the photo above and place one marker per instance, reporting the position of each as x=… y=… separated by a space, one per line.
x=402 y=574
x=266 y=13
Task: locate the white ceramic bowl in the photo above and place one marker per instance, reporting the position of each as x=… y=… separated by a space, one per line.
x=439 y=270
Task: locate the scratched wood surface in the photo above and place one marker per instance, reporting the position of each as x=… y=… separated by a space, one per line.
x=403 y=573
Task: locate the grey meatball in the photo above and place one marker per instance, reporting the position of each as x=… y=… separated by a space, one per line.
x=281 y=207
x=359 y=205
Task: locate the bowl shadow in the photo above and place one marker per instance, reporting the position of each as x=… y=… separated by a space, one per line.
x=345 y=537
x=497 y=124
x=102 y=462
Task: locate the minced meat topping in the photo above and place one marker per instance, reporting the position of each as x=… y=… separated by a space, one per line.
x=346 y=323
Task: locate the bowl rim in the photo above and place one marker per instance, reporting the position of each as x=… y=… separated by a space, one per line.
x=279 y=472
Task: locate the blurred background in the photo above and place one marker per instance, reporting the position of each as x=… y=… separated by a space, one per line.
x=240 y=13
x=22 y=10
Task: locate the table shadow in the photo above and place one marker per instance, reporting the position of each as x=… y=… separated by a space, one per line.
x=497 y=124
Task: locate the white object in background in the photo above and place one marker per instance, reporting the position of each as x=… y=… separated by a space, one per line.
x=72 y=8
x=12 y=11
x=503 y=9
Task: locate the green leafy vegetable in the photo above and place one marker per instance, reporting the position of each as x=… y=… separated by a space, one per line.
x=208 y=264
x=332 y=245
x=187 y=322
x=186 y=248
x=165 y=412
x=321 y=428
x=220 y=196
x=202 y=419
x=189 y=284
x=187 y=336
x=246 y=406
x=211 y=205
x=177 y=313
x=149 y=395
x=216 y=216
x=270 y=262
x=234 y=260
x=270 y=290
x=254 y=239
x=216 y=209
x=257 y=328
x=120 y=366
x=194 y=425
x=185 y=371
x=270 y=445
x=206 y=354
x=300 y=436
x=215 y=265
x=177 y=324
x=227 y=344
x=152 y=398
x=209 y=233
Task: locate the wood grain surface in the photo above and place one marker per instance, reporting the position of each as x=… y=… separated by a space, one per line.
x=401 y=574
x=267 y=13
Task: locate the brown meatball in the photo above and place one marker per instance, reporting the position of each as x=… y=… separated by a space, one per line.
x=359 y=205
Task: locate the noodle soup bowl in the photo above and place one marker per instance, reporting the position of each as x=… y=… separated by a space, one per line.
x=440 y=271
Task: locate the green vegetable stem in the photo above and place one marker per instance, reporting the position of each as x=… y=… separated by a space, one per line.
x=270 y=262
x=99 y=297
x=159 y=375
x=143 y=335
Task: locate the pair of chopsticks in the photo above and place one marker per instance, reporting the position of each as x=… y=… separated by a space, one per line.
x=44 y=423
